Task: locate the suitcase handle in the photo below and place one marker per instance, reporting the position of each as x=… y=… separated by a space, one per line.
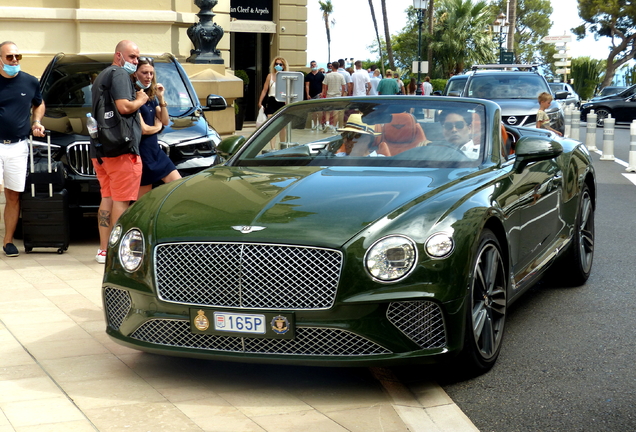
x=48 y=141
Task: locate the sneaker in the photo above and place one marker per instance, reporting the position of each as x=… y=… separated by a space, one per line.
x=10 y=250
x=101 y=256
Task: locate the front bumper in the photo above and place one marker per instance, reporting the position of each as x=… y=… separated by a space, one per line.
x=363 y=334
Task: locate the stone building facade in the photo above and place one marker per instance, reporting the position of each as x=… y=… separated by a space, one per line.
x=43 y=28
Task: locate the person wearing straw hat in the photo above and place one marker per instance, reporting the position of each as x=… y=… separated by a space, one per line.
x=359 y=139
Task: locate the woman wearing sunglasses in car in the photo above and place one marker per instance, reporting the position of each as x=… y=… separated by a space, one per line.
x=154 y=116
x=268 y=95
x=358 y=139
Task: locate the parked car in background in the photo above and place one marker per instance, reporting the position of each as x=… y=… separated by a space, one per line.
x=621 y=106
x=382 y=241
x=66 y=88
x=515 y=89
x=573 y=97
x=455 y=85
x=608 y=91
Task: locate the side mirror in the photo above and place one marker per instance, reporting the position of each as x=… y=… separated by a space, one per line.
x=215 y=103
x=231 y=145
x=437 y=93
x=454 y=93
x=533 y=149
x=561 y=95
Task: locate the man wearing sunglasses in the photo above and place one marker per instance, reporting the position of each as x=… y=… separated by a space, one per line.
x=457 y=130
x=19 y=93
x=119 y=177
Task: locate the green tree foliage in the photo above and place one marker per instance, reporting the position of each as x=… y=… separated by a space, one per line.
x=586 y=73
x=630 y=75
x=615 y=19
x=460 y=37
x=532 y=24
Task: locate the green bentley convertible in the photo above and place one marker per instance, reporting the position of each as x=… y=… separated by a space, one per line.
x=354 y=231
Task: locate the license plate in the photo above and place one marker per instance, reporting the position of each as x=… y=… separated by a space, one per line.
x=240 y=322
x=270 y=325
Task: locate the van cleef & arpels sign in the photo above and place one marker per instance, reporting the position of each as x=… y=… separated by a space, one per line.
x=254 y=10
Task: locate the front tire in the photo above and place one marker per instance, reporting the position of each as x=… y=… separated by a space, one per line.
x=487 y=306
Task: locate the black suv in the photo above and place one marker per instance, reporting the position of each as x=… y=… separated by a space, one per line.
x=515 y=89
x=66 y=88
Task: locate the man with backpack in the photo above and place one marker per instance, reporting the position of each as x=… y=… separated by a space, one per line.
x=118 y=168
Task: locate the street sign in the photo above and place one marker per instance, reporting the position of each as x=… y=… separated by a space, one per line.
x=557 y=39
x=506 y=57
x=421 y=66
x=564 y=55
x=563 y=63
x=563 y=71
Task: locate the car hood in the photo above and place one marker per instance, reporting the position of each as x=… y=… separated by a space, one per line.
x=517 y=106
x=296 y=205
x=71 y=122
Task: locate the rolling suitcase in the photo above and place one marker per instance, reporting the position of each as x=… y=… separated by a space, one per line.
x=45 y=214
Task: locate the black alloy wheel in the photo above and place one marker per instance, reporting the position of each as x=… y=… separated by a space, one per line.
x=487 y=306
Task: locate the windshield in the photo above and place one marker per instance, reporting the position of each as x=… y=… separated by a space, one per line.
x=405 y=131
x=69 y=85
x=507 y=86
x=558 y=87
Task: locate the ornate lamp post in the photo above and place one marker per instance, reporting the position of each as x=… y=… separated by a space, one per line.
x=205 y=35
x=419 y=6
x=500 y=29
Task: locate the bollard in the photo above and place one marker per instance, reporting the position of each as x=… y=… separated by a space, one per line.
x=575 y=133
x=608 y=139
x=590 y=137
x=632 y=148
x=568 y=121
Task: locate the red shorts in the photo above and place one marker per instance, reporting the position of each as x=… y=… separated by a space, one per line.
x=119 y=177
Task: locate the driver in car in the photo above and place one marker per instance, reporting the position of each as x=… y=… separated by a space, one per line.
x=358 y=139
x=457 y=130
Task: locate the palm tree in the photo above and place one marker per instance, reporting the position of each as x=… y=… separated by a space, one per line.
x=377 y=35
x=459 y=40
x=327 y=9
x=387 y=35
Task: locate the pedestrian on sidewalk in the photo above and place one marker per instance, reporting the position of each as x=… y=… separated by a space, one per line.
x=156 y=165
x=118 y=176
x=21 y=112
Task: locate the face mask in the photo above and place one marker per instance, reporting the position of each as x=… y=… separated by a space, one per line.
x=313 y=69
x=278 y=68
x=11 y=70
x=141 y=86
x=129 y=67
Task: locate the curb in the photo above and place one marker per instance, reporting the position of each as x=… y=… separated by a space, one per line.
x=423 y=407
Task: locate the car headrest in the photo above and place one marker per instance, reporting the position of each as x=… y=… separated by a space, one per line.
x=403 y=129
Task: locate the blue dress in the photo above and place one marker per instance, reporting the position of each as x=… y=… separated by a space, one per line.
x=156 y=164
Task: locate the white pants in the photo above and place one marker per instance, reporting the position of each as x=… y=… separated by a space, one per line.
x=13 y=165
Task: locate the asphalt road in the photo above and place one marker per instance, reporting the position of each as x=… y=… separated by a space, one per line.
x=567 y=362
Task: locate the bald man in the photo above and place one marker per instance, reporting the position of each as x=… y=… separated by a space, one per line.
x=118 y=176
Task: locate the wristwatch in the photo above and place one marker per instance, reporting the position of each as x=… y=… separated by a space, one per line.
x=163 y=104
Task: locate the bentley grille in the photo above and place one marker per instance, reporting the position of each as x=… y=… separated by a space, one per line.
x=308 y=341
x=79 y=159
x=247 y=275
x=117 y=303
x=421 y=321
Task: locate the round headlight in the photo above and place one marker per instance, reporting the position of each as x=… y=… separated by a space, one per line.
x=131 y=250
x=391 y=258
x=439 y=245
x=115 y=234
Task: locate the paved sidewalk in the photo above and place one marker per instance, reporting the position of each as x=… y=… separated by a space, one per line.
x=60 y=372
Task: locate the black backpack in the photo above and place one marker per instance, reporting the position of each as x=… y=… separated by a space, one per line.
x=116 y=132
